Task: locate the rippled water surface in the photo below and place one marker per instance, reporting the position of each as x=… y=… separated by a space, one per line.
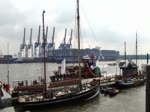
x=129 y=100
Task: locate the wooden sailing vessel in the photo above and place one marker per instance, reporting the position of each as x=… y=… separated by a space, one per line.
x=71 y=72
x=123 y=84
x=59 y=92
x=130 y=73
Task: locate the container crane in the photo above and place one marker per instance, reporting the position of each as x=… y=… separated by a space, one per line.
x=42 y=47
x=51 y=45
x=23 y=46
x=63 y=44
x=45 y=37
x=46 y=33
x=37 y=44
x=69 y=45
x=46 y=46
x=29 y=48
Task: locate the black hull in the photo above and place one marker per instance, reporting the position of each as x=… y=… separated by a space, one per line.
x=63 y=100
x=112 y=94
x=122 y=85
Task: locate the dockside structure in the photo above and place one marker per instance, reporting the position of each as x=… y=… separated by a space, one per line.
x=34 y=52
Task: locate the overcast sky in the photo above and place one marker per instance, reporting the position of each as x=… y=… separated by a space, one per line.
x=104 y=23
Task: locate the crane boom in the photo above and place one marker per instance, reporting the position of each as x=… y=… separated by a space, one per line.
x=53 y=35
x=65 y=36
x=39 y=34
x=30 y=43
x=46 y=33
x=24 y=36
x=70 y=38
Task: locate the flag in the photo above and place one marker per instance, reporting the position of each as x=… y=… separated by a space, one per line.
x=63 y=66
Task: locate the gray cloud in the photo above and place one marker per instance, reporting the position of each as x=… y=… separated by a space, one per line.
x=64 y=18
x=9 y=14
x=10 y=20
x=109 y=28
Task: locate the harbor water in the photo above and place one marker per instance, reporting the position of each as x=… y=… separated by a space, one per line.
x=129 y=100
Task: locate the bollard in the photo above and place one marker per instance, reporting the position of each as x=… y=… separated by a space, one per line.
x=148 y=88
x=1 y=105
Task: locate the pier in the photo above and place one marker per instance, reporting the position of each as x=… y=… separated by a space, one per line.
x=148 y=88
x=110 y=80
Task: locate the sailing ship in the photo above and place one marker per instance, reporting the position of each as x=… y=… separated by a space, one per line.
x=88 y=70
x=130 y=76
x=60 y=92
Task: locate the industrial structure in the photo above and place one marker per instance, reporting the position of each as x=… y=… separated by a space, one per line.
x=29 y=47
x=64 y=50
x=30 y=52
x=23 y=46
x=51 y=45
x=37 y=45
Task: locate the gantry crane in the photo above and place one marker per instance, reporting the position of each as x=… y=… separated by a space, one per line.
x=23 y=46
x=51 y=45
x=29 y=47
x=63 y=44
x=37 y=44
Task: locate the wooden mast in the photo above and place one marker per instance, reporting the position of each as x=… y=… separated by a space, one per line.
x=136 y=47
x=125 y=53
x=78 y=35
x=44 y=59
x=8 y=81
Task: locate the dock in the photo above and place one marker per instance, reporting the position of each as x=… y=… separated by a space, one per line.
x=103 y=83
x=8 y=109
x=111 y=80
